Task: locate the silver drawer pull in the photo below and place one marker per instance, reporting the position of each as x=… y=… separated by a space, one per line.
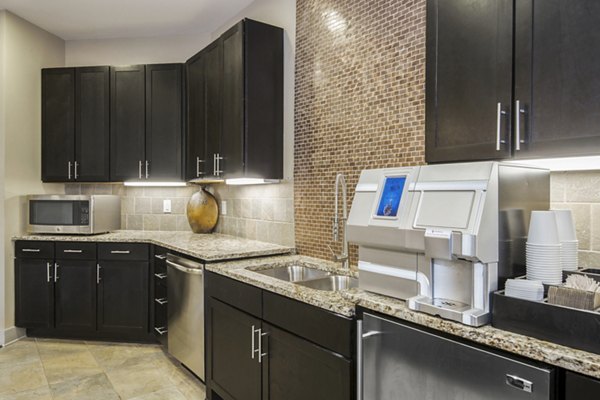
x=120 y=252
x=162 y=301
x=160 y=256
x=30 y=250
x=161 y=330
x=161 y=276
x=519 y=383
x=73 y=251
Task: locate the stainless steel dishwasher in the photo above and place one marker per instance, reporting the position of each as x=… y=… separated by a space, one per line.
x=185 y=281
x=398 y=361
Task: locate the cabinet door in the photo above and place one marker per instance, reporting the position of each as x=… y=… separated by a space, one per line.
x=295 y=369
x=75 y=295
x=58 y=124
x=557 y=82
x=233 y=370
x=469 y=79
x=34 y=293
x=232 y=134
x=212 y=112
x=123 y=297
x=92 y=124
x=579 y=387
x=127 y=133
x=196 y=118
x=164 y=121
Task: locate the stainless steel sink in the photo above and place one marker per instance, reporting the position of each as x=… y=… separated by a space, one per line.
x=331 y=283
x=293 y=273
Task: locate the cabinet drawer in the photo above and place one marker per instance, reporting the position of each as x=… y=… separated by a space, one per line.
x=75 y=251
x=123 y=251
x=160 y=263
x=332 y=331
x=240 y=295
x=34 y=249
x=160 y=290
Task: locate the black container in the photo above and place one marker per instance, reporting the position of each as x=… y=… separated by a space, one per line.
x=579 y=329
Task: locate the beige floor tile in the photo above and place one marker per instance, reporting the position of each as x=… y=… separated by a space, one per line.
x=192 y=390
x=22 y=352
x=50 y=347
x=166 y=394
x=115 y=355
x=21 y=377
x=139 y=379
x=42 y=393
x=93 y=387
x=70 y=365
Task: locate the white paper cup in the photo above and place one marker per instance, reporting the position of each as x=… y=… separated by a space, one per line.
x=565 y=225
x=543 y=228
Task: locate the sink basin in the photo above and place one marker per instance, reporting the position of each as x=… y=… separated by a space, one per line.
x=331 y=283
x=293 y=273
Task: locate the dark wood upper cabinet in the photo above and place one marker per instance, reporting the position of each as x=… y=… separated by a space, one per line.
x=92 y=124
x=557 y=83
x=235 y=109
x=492 y=97
x=58 y=124
x=75 y=124
x=128 y=122
x=164 y=121
x=469 y=79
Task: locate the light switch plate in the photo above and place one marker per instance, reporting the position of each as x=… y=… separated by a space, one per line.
x=166 y=206
x=223 y=207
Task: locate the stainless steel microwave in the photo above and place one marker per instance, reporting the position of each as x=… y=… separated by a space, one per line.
x=73 y=214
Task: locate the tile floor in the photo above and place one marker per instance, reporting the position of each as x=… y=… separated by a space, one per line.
x=43 y=369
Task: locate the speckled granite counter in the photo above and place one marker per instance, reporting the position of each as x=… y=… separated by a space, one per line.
x=345 y=303
x=209 y=247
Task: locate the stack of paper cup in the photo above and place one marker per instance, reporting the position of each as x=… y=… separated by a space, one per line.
x=568 y=239
x=543 y=249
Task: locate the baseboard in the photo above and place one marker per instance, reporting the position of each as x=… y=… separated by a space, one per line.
x=13 y=333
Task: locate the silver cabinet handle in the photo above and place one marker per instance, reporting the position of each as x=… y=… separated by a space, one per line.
x=30 y=250
x=253 y=341
x=198 y=162
x=518 y=112
x=162 y=301
x=218 y=159
x=120 y=251
x=98 y=278
x=359 y=360
x=499 y=140
x=260 y=336
x=519 y=383
x=147 y=173
x=48 y=266
x=140 y=169
x=160 y=256
x=161 y=276
x=69 y=173
x=161 y=330
x=72 y=251
x=215 y=164
x=56 y=266
x=76 y=174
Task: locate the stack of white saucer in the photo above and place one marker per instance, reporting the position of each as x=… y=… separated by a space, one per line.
x=543 y=249
x=524 y=289
x=568 y=240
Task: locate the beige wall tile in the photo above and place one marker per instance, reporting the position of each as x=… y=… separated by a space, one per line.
x=151 y=222
x=143 y=205
x=582 y=214
x=135 y=222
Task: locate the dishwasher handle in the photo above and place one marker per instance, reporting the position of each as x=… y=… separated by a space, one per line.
x=195 y=271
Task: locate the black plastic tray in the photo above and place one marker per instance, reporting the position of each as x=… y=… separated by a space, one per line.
x=579 y=329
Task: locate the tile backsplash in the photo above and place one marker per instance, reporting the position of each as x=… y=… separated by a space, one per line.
x=255 y=212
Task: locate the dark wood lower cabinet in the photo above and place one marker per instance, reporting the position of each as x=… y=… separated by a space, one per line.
x=297 y=369
x=233 y=369
x=123 y=297
x=34 y=293
x=75 y=295
x=579 y=387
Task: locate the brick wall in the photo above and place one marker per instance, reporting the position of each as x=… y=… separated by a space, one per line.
x=360 y=102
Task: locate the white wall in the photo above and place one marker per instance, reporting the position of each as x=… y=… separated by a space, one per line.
x=149 y=50
x=27 y=49
x=2 y=153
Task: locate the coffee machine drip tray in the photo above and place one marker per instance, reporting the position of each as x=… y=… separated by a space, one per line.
x=450 y=309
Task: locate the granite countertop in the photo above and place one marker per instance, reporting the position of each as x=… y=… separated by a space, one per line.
x=208 y=247
x=345 y=302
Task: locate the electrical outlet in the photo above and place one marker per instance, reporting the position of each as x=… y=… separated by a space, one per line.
x=223 y=207
x=167 y=206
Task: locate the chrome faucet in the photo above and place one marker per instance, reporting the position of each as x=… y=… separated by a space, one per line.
x=340 y=179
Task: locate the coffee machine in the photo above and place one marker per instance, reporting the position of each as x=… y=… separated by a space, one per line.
x=443 y=237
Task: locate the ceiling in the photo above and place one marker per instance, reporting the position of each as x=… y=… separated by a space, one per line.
x=101 y=19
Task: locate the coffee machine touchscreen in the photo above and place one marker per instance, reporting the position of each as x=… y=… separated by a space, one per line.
x=390 y=196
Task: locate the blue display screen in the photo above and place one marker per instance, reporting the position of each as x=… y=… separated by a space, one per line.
x=390 y=196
